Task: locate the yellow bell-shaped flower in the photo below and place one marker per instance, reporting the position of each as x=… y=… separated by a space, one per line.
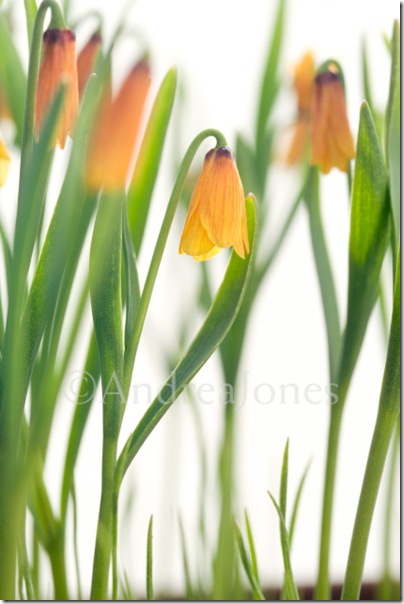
x=217 y=213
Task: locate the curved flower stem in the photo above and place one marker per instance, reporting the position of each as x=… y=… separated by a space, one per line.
x=130 y=352
x=133 y=343
x=324 y=271
x=332 y=321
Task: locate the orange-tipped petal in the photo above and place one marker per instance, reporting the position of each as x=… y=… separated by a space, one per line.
x=58 y=66
x=116 y=130
x=86 y=61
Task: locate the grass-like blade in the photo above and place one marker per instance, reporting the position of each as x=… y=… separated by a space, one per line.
x=251 y=545
x=12 y=77
x=283 y=491
x=296 y=502
x=149 y=561
x=369 y=232
x=393 y=132
x=189 y=589
x=247 y=565
x=290 y=588
x=270 y=79
x=386 y=421
x=148 y=161
x=220 y=317
x=130 y=278
x=89 y=380
x=30 y=14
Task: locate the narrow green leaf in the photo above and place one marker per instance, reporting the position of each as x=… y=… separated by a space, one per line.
x=283 y=494
x=289 y=585
x=270 y=79
x=131 y=279
x=367 y=89
x=216 y=325
x=369 y=234
x=149 y=563
x=253 y=553
x=75 y=543
x=12 y=77
x=30 y=13
x=43 y=295
x=189 y=590
x=247 y=165
x=386 y=421
x=106 y=304
x=296 y=502
x=32 y=193
x=89 y=380
x=148 y=161
x=257 y=593
x=393 y=133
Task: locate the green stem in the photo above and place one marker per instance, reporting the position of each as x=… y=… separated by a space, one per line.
x=323 y=585
x=389 y=410
x=56 y=553
x=324 y=272
x=133 y=342
x=130 y=352
x=385 y=423
x=106 y=302
x=385 y=587
x=115 y=549
x=224 y=576
x=103 y=548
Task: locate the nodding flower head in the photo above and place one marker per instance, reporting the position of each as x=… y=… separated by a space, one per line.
x=303 y=84
x=332 y=144
x=58 y=66
x=87 y=59
x=115 y=131
x=217 y=213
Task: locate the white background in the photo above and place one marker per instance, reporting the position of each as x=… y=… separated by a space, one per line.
x=219 y=48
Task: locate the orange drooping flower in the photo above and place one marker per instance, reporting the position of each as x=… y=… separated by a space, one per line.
x=332 y=144
x=5 y=161
x=86 y=60
x=303 y=84
x=58 y=66
x=115 y=131
x=217 y=212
